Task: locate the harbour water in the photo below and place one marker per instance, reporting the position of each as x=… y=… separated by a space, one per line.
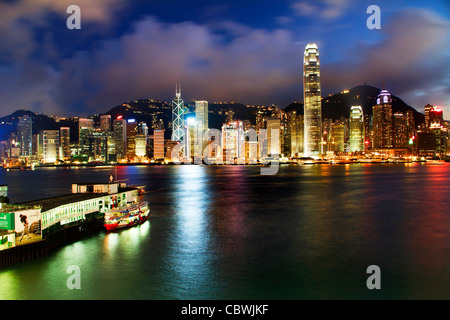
x=227 y=232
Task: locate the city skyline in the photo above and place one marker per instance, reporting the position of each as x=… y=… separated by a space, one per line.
x=219 y=52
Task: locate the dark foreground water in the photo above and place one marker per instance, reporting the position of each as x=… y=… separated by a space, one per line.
x=309 y=232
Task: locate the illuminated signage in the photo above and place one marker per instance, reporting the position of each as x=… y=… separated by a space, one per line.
x=7 y=221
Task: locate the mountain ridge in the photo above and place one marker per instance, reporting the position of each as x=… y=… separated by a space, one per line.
x=334 y=106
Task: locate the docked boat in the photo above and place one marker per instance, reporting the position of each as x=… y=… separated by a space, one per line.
x=128 y=216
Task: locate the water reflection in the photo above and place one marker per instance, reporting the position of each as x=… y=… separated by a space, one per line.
x=227 y=232
x=190 y=244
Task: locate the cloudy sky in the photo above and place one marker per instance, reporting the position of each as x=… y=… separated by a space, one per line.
x=250 y=51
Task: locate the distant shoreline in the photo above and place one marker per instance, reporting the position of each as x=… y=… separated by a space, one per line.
x=214 y=164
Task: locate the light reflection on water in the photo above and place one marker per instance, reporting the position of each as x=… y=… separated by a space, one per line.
x=229 y=233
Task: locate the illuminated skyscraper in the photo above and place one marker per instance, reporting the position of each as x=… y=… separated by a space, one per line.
x=296 y=123
x=436 y=118
x=24 y=135
x=356 y=129
x=178 y=126
x=339 y=135
x=131 y=139
x=428 y=107
x=158 y=144
x=312 y=102
x=141 y=139
x=64 y=137
x=273 y=136
x=233 y=142
x=105 y=123
x=49 y=145
x=120 y=137
x=382 y=121
x=85 y=128
x=201 y=117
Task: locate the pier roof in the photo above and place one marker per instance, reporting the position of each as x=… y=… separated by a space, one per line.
x=50 y=203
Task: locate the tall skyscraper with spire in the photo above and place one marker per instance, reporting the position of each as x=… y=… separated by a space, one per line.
x=312 y=102
x=382 y=132
x=178 y=125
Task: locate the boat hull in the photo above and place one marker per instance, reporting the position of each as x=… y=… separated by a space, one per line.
x=126 y=218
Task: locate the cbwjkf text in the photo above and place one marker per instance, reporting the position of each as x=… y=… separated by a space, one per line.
x=232 y=309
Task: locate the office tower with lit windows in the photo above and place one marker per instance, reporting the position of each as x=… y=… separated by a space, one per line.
x=312 y=102
x=158 y=144
x=178 y=125
x=339 y=135
x=233 y=142
x=201 y=118
x=141 y=139
x=274 y=136
x=49 y=143
x=131 y=139
x=400 y=122
x=382 y=128
x=85 y=128
x=120 y=137
x=427 y=108
x=64 y=138
x=190 y=136
x=105 y=123
x=201 y=115
x=25 y=135
x=356 y=129
x=436 y=118
x=296 y=130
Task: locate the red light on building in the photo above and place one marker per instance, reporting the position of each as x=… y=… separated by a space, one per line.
x=366 y=142
x=119 y=117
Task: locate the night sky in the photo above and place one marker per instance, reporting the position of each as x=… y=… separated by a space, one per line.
x=250 y=51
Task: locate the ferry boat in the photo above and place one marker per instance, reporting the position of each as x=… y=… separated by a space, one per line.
x=128 y=216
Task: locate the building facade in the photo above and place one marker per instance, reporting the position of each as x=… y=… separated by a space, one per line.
x=312 y=102
x=356 y=129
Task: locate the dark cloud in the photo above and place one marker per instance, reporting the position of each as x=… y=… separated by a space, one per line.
x=412 y=60
x=256 y=66
x=216 y=62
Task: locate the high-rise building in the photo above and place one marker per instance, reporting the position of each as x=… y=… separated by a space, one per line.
x=25 y=135
x=427 y=108
x=49 y=146
x=356 y=129
x=105 y=122
x=178 y=125
x=401 y=138
x=339 y=135
x=190 y=136
x=131 y=139
x=233 y=142
x=141 y=139
x=312 y=102
x=201 y=117
x=120 y=137
x=158 y=144
x=273 y=136
x=64 y=137
x=382 y=129
x=436 y=118
x=85 y=128
x=296 y=126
